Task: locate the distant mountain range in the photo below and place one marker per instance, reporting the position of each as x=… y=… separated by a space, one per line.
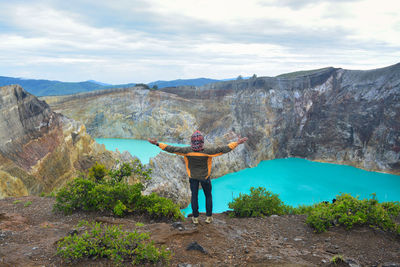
x=54 y=88
x=47 y=87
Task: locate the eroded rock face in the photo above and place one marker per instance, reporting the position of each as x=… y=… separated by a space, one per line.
x=40 y=149
x=129 y=113
x=169 y=179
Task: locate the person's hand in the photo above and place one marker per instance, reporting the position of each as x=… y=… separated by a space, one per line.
x=242 y=140
x=152 y=140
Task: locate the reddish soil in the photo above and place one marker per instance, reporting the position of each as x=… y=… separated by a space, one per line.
x=29 y=233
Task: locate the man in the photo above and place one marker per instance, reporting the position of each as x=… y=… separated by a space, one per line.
x=198 y=161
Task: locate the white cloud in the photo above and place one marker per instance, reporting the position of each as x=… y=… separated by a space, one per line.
x=143 y=41
x=241 y=49
x=366 y=20
x=376 y=21
x=55 y=25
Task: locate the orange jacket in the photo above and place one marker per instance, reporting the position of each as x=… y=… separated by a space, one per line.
x=198 y=163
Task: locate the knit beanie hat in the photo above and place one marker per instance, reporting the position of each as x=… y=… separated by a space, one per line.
x=197 y=141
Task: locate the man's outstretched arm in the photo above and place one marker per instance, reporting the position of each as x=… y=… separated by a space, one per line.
x=171 y=149
x=228 y=148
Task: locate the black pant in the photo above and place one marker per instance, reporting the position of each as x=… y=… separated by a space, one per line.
x=194 y=187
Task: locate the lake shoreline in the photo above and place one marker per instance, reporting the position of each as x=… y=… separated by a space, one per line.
x=298 y=181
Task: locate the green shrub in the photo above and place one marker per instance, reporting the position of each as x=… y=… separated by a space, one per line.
x=307 y=209
x=114 y=195
x=111 y=242
x=97 y=172
x=74 y=196
x=119 y=209
x=349 y=211
x=125 y=170
x=159 y=207
x=337 y=259
x=258 y=204
x=27 y=204
x=320 y=218
x=393 y=208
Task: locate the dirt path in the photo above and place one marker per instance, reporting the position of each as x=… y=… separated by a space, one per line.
x=28 y=236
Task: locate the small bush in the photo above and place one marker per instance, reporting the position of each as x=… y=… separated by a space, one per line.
x=393 y=208
x=320 y=218
x=111 y=242
x=307 y=209
x=337 y=259
x=97 y=172
x=27 y=204
x=16 y=201
x=74 y=196
x=124 y=170
x=114 y=195
x=119 y=209
x=159 y=207
x=349 y=211
x=258 y=204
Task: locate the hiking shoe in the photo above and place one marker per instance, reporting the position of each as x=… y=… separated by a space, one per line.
x=195 y=220
x=209 y=219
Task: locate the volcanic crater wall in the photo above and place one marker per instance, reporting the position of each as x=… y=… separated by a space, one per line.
x=40 y=149
x=332 y=115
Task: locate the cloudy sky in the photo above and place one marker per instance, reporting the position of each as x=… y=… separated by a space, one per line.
x=124 y=41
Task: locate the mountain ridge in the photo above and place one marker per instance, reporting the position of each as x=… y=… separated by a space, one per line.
x=43 y=87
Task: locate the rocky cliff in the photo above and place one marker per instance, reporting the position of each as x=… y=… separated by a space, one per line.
x=331 y=115
x=40 y=149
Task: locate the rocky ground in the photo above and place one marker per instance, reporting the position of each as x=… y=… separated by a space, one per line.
x=29 y=232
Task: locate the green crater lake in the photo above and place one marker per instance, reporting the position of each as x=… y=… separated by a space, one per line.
x=297 y=181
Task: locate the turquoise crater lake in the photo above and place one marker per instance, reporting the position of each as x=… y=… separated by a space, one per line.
x=297 y=181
